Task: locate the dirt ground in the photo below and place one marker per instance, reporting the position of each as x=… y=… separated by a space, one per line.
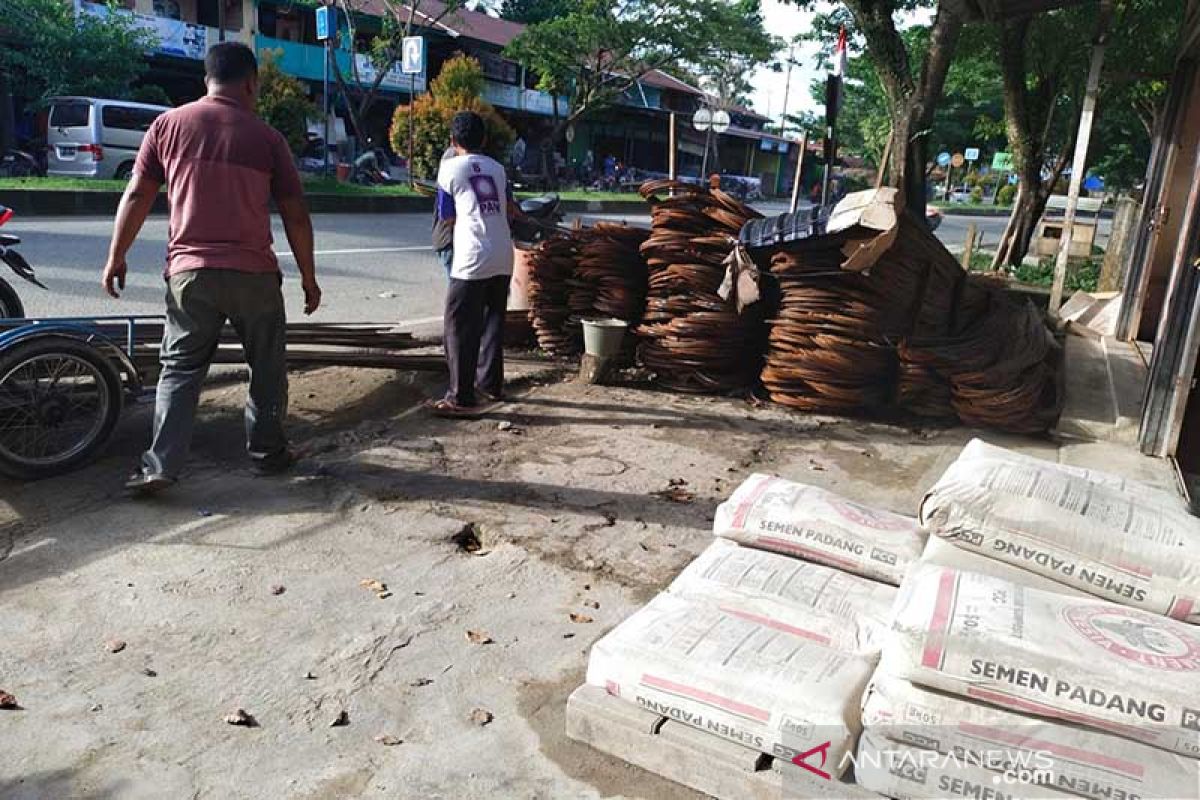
x=237 y=592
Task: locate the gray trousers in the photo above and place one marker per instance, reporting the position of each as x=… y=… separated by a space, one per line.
x=474 y=337
x=198 y=304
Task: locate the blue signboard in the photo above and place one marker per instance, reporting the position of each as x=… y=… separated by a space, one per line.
x=943 y=159
x=324 y=22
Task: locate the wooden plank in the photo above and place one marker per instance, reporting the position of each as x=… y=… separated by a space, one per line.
x=692 y=757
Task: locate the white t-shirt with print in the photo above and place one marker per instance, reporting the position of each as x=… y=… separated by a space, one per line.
x=473 y=190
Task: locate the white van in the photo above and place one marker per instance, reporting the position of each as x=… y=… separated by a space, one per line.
x=91 y=138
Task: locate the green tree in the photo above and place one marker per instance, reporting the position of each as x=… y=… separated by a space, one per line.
x=531 y=12
x=456 y=88
x=1044 y=61
x=283 y=102
x=384 y=50
x=599 y=51
x=912 y=78
x=150 y=93
x=98 y=55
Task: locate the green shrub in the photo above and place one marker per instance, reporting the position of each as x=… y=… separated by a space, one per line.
x=977 y=195
x=1007 y=193
x=455 y=89
x=1081 y=275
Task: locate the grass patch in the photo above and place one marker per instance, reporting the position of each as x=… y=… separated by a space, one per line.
x=63 y=184
x=579 y=194
x=1082 y=275
x=333 y=186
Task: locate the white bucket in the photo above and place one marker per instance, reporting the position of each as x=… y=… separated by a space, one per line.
x=602 y=338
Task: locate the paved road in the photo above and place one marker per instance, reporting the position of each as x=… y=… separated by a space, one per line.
x=375 y=267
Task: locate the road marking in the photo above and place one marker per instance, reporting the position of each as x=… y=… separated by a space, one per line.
x=357 y=250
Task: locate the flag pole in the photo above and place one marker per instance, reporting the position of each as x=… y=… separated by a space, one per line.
x=833 y=100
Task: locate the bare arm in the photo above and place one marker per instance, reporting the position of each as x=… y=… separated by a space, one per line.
x=298 y=227
x=135 y=206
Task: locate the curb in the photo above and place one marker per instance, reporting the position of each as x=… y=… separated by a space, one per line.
x=54 y=203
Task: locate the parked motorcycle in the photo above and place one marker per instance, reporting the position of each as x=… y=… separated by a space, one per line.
x=18 y=163
x=10 y=303
x=539 y=216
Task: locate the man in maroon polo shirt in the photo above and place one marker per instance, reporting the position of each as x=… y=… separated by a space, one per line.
x=222 y=166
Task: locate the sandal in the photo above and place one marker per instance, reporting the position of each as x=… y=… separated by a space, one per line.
x=449 y=410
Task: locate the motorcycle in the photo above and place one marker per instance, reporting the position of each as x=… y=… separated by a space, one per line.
x=22 y=164
x=539 y=216
x=10 y=303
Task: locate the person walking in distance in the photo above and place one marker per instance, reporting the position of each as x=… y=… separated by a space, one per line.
x=222 y=166
x=473 y=197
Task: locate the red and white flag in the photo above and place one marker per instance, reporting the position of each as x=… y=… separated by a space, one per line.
x=839 y=55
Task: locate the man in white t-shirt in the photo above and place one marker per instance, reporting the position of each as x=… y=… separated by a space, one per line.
x=473 y=197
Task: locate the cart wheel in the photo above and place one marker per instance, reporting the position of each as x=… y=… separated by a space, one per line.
x=59 y=401
x=10 y=304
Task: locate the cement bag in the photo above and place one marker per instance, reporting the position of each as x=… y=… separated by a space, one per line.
x=752 y=682
x=1087 y=661
x=948 y=553
x=1128 y=548
x=1068 y=758
x=978 y=448
x=907 y=773
x=829 y=607
x=816 y=525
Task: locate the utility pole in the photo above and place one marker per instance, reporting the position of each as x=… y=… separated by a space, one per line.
x=1080 y=163
x=787 y=87
x=220 y=20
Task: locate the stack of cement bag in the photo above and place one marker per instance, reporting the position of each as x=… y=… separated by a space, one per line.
x=987 y=685
x=1098 y=533
x=764 y=649
x=1006 y=676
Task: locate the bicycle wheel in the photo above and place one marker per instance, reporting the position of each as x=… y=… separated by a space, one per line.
x=59 y=402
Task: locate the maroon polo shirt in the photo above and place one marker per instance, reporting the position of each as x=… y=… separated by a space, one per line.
x=222 y=165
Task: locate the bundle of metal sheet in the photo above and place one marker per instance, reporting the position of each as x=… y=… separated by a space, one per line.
x=692 y=339
x=909 y=330
x=610 y=275
x=551 y=267
x=587 y=273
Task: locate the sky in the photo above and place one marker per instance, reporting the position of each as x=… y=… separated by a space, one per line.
x=785 y=20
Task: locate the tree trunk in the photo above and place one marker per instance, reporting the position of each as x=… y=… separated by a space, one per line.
x=912 y=98
x=1025 y=218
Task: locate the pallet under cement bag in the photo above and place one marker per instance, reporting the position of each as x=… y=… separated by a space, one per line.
x=817 y=525
x=752 y=682
x=1068 y=758
x=948 y=553
x=834 y=608
x=1130 y=545
x=1099 y=664
x=905 y=772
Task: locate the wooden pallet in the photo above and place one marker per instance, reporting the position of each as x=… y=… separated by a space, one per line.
x=689 y=756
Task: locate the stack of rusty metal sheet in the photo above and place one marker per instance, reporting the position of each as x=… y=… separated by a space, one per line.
x=872 y=318
x=586 y=273
x=692 y=339
x=551 y=267
x=610 y=275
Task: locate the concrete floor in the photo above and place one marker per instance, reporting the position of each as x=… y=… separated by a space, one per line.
x=562 y=504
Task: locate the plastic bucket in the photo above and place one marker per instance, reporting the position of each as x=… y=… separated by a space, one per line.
x=602 y=338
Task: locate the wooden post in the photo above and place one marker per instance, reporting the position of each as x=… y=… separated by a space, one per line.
x=1119 y=244
x=883 y=162
x=799 y=172
x=1080 y=163
x=671 y=154
x=969 y=247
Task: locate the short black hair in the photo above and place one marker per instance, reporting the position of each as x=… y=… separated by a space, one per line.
x=467 y=130
x=230 y=62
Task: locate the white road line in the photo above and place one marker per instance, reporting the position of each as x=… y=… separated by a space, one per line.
x=354 y=251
